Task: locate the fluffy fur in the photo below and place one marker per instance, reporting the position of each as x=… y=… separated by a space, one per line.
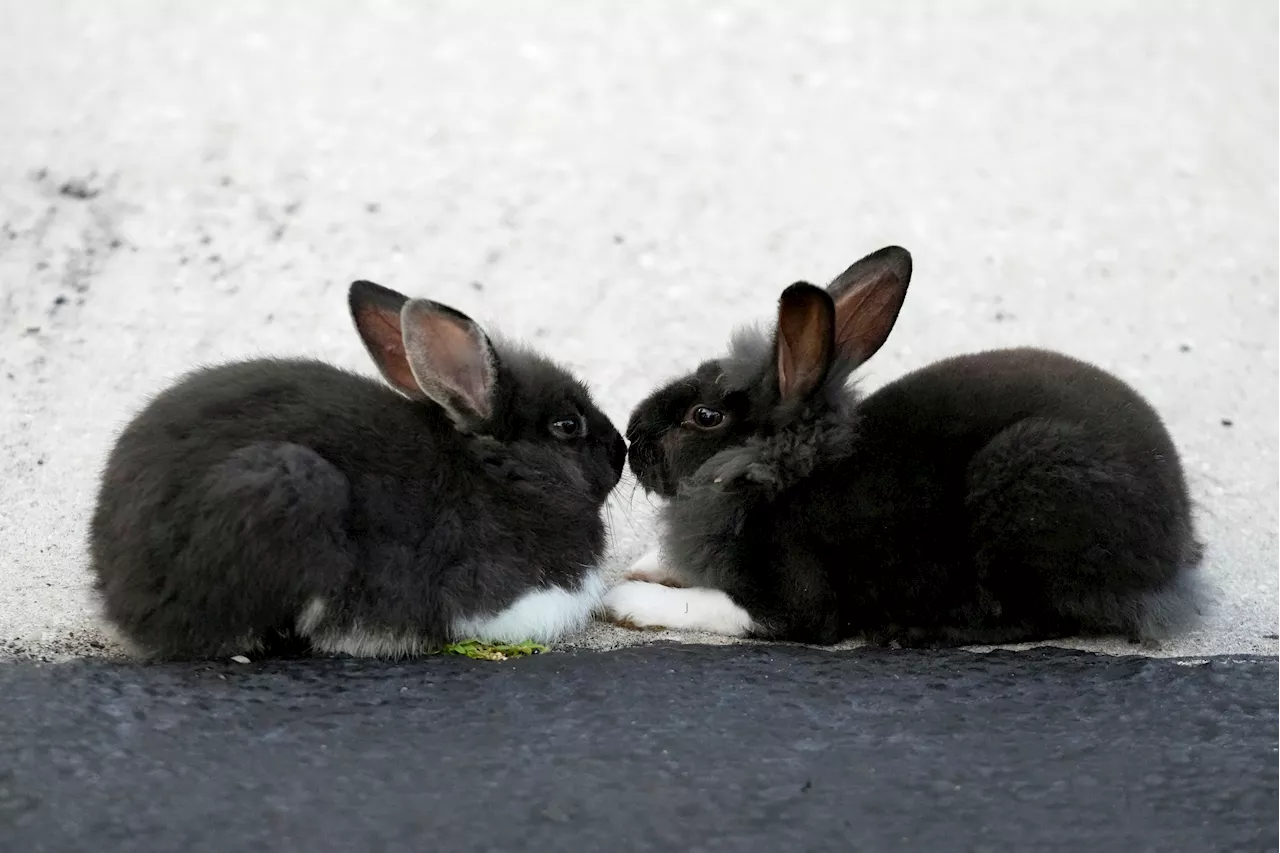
x=1004 y=496
x=272 y=504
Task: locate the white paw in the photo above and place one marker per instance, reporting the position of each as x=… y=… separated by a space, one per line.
x=640 y=604
x=649 y=568
x=650 y=561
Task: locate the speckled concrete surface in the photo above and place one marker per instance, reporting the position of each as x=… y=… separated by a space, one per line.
x=185 y=183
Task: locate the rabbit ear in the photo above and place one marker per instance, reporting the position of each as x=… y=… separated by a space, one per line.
x=376 y=312
x=868 y=297
x=427 y=351
x=451 y=359
x=806 y=339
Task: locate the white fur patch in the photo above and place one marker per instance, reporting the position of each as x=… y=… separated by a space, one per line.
x=649 y=563
x=650 y=568
x=311 y=616
x=541 y=615
x=650 y=605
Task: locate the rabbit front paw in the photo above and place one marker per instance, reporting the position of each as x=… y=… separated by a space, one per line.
x=643 y=605
x=650 y=569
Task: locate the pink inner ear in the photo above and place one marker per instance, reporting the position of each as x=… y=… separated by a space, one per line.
x=865 y=315
x=786 y=366
x=380 y=329
x=451 y=359
x=458 y=358
x=802 y=344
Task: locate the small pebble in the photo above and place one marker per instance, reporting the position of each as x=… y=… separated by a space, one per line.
x=239 y=659
x=78 y=189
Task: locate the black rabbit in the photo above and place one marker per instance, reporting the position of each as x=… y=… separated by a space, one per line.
x=268 y=504
x=1004 y=496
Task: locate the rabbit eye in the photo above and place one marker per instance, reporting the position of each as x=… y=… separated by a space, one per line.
x=705 y=417
x=569 y=427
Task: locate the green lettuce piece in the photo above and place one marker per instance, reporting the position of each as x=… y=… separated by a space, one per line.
x=493 y=651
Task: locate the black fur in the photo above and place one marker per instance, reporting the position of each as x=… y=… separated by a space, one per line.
x=247 y=490
x=1004 y=496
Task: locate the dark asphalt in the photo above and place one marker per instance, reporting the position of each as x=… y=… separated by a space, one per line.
x=663 y=748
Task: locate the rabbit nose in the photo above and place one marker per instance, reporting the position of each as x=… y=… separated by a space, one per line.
x=618 y=455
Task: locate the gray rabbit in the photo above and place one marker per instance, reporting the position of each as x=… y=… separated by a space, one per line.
x=1004 y=496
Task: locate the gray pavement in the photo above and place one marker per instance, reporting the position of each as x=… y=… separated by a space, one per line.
x=185 y=183
x=661 y=749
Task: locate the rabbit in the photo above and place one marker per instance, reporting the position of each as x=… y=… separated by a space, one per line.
x=1005 y=496
x=285 y=504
